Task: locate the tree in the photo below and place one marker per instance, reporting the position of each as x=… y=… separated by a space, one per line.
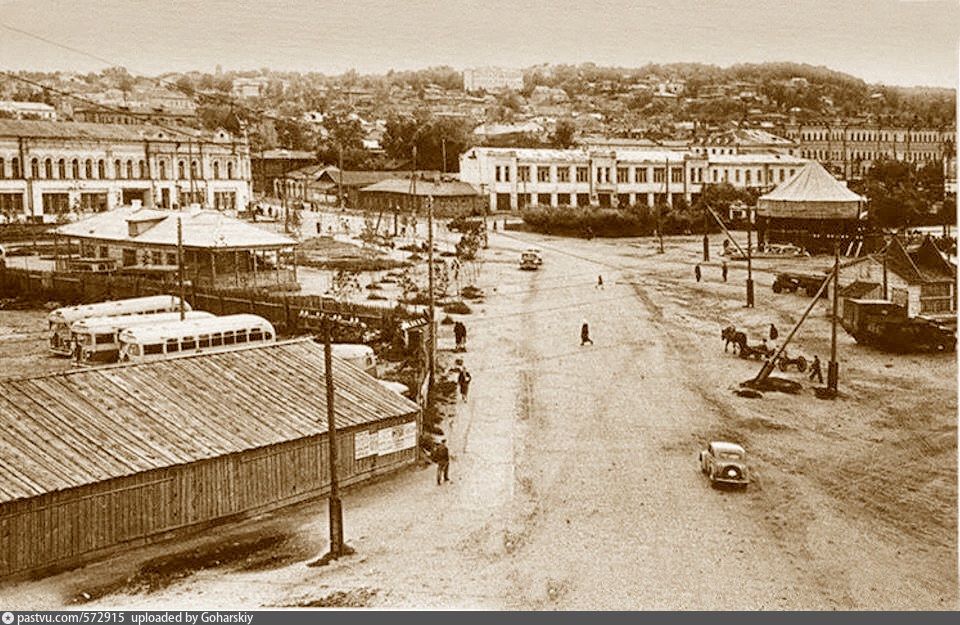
x=563 y=135
x=435 y=139
x=344 y=135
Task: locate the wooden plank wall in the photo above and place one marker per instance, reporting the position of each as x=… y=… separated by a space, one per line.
x=68 y=528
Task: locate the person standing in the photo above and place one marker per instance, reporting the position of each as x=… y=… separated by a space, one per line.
x=585 y=333
x=441 y=455
x=697 y=273
x=815 y=371
x=460 y=334
x=773 y=332
x=600 y=282
x=463 y=381
x=723 y=271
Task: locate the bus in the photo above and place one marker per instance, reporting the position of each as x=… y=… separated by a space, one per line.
x=60 y=320
x=196 y=336
x=358 y=355
x=97 y=339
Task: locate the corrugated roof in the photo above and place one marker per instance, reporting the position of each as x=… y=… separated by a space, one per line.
x=424 y=188
x=75 y=428
x=202 y=229
x=93 y=131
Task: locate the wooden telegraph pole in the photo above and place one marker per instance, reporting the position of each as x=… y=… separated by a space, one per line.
x=335 y=509
x=750 y=258
x=706 y=240
x=183 y=312
x=833 y=369
x=431 y=366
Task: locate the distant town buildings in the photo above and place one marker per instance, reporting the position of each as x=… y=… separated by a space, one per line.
x=849 y=150
x=141 y=106
x=513 y=178
x=492 y=79
x=27 y=110
x=51 y=168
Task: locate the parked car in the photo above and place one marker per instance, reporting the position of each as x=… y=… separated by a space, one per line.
x=725 y=463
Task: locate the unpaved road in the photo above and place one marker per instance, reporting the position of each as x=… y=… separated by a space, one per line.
x=575 y=483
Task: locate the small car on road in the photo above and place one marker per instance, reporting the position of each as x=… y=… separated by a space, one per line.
x=725 y=463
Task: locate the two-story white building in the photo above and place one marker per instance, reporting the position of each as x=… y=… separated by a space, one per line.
x=513 y=178
x=50 y=168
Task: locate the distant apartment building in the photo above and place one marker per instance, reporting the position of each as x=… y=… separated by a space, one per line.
x=510 y=179
x=492 y=79
x=143 y=106
x=50 y=168
x=249 y=87
x=849 y=150
x=27 y=110
x=745 y=141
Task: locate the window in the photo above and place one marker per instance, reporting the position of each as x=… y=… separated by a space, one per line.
x=746 y=177
x=792 y=172
x=3 y=171
x=101 y=169
x=203 y=341
x=62 y=168
x=180 y=170
x=105 y=339
x=256 y=334
x=543 y=174
x=782 y=175
x=117 y=169
x=230 y=171
x=563 y=174
x=736 y=175
x=640 y=174
x=563 y=199
x=676 y=174
x=659 y=174
x=129 y=170
x=216 y=169
x=171 y=258
x=623 y=174
x=583 y=199
x=153 y=348
x=523 y=173
x=583 y=174
x=173 y=345
x=48 y=168
x=75 y=169
x=216 y=339
x=241 y=336
x=163 y=170
x=543 y=199
x=188 y=342
x=88 y=168
x=497 y=174
x=156 y=257
x=715 y=174
x=142 y=169
x=194 y=171
x=15 y=168
x=229 y=338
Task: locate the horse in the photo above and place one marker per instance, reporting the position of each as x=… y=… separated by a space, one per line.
x=731 y=335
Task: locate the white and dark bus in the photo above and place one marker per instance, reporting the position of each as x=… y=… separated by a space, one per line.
x=97 y=339
x=60 y=320
x=196 y=336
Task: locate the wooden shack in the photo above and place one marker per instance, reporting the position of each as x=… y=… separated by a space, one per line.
x=97 y=460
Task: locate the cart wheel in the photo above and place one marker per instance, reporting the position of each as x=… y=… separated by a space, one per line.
x=801 y=364
x=783 y=364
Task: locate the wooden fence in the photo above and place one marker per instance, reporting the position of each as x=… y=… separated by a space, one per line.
x=289 y=313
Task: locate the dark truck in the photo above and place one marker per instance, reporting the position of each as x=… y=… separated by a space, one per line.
x=791 y=281
x=885 y=325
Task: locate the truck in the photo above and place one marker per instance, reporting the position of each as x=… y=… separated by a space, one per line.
x=885 y=325
x=791 y=281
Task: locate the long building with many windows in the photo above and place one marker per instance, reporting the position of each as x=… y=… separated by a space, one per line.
x=513 y=178
x=50 y=168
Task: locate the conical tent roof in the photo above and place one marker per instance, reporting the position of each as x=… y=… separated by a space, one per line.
x=811 y=194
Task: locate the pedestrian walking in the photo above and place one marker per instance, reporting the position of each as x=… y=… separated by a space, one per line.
x=697 y=272
x=441 y=455
x=773 y=332
x=585 y=333
x=815 y=370
x=460 y=335
x=600 y=282
x=723 y=271
x=463 y=381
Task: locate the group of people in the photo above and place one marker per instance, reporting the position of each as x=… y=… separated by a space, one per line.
x=698 y=272
x=815 y=368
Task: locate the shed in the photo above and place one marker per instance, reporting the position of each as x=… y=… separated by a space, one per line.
x=450 y=197
x=97 y=460
x=219 y=250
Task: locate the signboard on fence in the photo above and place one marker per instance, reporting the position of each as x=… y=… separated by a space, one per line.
x=385 y=441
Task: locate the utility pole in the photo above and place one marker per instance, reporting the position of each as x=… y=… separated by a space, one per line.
x=749 y=260
x=340 y=176
x=706 y=241
x=183 y=311
x=335 y=510
x=443 y=147
x=833 y=369
x=433 y=324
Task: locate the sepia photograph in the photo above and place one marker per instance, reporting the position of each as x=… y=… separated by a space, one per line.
x=546 y=305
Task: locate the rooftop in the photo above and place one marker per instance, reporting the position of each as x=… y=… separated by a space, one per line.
x=70 y=429
x=101 y=132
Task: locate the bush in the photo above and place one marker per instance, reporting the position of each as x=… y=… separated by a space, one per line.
x=457 y=308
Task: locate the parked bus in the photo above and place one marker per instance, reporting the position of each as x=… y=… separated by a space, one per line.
x=97 y=339
x=60 y=320
x=358 y=355
x=144 y=343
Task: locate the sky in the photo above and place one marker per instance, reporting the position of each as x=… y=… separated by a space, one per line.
x=895 y=42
